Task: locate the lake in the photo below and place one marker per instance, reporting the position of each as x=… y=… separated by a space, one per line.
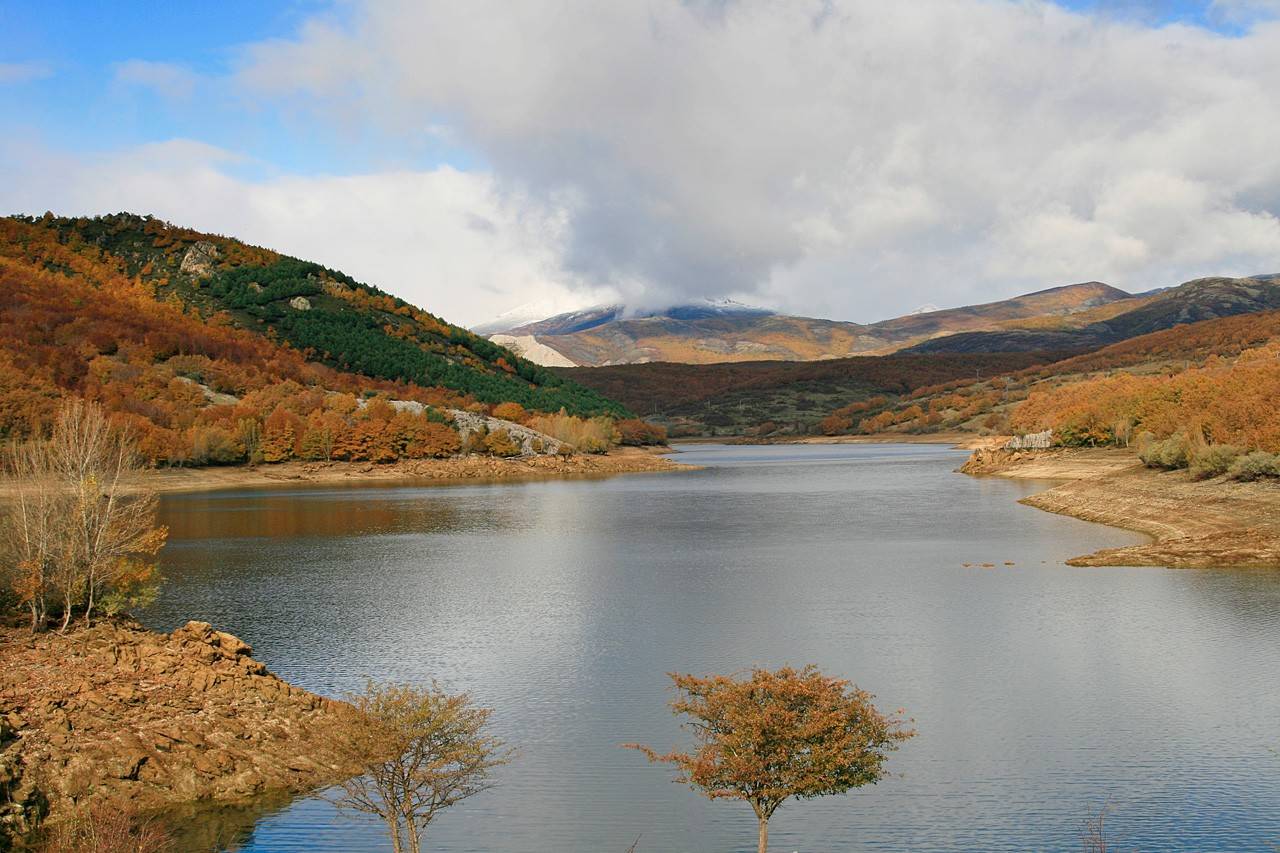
x=1041 y=692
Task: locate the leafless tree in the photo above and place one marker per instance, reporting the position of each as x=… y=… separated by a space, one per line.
x=422 y=750
x=80 y=527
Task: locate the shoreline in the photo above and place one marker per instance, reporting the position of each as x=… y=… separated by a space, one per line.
x=958 y=440
x=120 y=716
x=1193 y=524
x=627 y=460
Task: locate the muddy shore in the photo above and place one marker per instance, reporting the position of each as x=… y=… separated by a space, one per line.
x=624 y=460
x=1193 y=524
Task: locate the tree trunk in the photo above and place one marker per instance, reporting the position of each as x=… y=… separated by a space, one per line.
x=393 y=828
x=763 y=846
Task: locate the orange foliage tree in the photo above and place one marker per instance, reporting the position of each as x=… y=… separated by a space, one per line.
x=774 y=735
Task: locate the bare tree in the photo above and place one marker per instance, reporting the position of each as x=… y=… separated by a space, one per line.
x=30 y=528
x=422 y=750
x=80 y=527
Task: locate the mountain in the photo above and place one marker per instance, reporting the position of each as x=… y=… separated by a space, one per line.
x=327 y=315
x=726 y=332
x=1190 y=302
x=210 y=347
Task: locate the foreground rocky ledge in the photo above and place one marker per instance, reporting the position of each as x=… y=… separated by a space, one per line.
x=119 y=713
x=1206 y=524
x=480 y=468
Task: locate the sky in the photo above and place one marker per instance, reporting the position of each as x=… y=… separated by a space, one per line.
x=850 y=159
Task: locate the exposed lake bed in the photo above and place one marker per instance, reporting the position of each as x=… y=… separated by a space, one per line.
x=1040 y=691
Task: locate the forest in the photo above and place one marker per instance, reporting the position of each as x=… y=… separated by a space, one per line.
x=324 y=314
x=100 y=309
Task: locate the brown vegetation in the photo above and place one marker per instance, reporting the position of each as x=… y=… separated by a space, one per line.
x=771 y=736
x=430 y=750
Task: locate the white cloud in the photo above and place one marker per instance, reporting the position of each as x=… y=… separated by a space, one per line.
x=23 y=72
x=851 y=158
x=447 y=240
x=164 y=78
x=1244 y=11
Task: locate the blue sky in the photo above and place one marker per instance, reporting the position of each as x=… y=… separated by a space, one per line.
x=477 y=156
x=77 y=103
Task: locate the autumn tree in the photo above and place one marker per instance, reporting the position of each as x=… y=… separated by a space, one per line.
x=81 y=528
x=771 y=736
x=422 y=750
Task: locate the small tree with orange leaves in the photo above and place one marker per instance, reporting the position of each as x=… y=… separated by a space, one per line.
x=771 y=736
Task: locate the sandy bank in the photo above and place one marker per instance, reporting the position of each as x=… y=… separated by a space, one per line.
x=122 y=714
x=1207 y=524
x=483 y=468
x=961 y=440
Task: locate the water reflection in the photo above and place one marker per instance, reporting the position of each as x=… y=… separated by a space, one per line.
x=1039 y=690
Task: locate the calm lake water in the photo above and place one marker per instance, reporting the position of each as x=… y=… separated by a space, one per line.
x=1040 y=691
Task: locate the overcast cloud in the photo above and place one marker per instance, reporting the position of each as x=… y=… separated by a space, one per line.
x=844 y=159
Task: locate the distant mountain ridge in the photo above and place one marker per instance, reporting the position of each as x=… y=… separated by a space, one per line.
x=713 y=332
x=1070 y=317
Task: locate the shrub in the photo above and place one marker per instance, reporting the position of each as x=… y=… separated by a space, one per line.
x=638 y=433
x=500 y=443
x=1255 y=465
x=510 y=412
x=1173 y=452
x=1212 y=461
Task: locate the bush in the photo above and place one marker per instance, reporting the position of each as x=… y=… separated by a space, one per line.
x=1212 y=461
x=1173 y=452
x=500 y=443
x=1254 y=466
x=637 y=433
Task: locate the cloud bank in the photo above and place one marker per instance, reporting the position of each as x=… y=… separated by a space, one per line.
x=443 y=239
x=841 y=158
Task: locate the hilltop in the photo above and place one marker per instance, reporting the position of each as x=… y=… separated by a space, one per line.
x=217 y=352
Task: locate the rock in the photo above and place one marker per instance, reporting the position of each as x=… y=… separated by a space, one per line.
x=199 y=260
x=201 y=720
x=301 y=303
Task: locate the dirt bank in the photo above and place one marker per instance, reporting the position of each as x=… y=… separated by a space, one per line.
x=122 y=714
x=1206 y=524
x=961 y=440
x=620 y=461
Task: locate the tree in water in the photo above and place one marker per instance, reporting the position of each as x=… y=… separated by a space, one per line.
x=770 y=736
x=422 y=750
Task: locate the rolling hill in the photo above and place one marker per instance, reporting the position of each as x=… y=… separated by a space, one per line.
x=211 y=347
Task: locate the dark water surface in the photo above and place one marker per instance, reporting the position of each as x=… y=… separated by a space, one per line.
x=1040 y=691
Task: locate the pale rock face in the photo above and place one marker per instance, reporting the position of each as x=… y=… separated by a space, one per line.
x=300 y=303
x=529 y=347
x=199 y=260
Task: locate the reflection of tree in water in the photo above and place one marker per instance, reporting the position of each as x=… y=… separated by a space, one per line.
x=219 y=827
x=285 y=515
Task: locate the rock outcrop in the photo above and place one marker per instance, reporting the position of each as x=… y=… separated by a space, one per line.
x=117 y=712
x=200 y=259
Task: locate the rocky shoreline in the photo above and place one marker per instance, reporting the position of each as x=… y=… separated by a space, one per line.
x=1193 y=524
x=119 y=714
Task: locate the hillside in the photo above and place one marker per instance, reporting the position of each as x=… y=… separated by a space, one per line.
x=771 y=397
x=1191 y=302
x=699 y=335
x=917 y=393
x=218 y=351
x=1215 y=380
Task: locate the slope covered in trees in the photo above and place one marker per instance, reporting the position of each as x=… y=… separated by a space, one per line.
x=1199 y=394
x=767 y=397
x=323 y=313
x=202 y=345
